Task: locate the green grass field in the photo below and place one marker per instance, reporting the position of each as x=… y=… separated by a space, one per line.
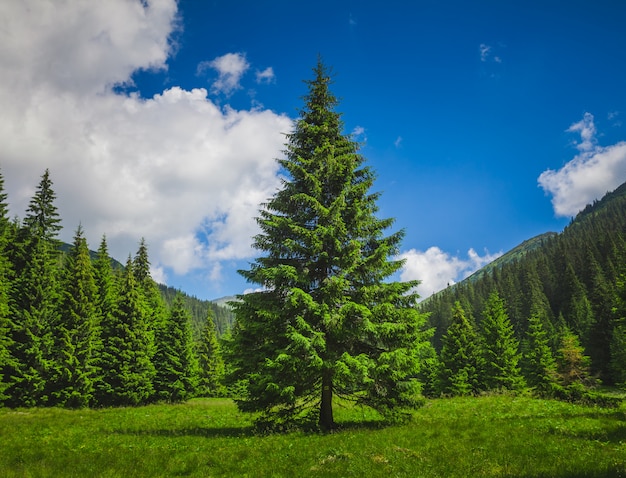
x=462 y=437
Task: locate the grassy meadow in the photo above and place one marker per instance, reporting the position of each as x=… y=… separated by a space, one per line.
x=458 y=437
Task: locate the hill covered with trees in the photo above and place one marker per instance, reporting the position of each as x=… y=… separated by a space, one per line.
x=568 y=287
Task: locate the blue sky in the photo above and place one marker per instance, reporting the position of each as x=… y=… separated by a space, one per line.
x=486 y=122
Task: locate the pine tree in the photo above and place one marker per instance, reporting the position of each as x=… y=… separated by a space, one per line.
x=211 y=363
x=500 y=348
x=460 y=358
x=540 y=367
x=35 y=299
x=327 y=323
x=618 y=340
x=77 y=334
x=175 y=360
x=129 y=372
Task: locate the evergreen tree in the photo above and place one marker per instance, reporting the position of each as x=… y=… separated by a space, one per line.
x=175 y=360
x=326 y=322
x=573 y=364
x=129 y=372
x=460 y=358
x=618 y=340
x=77 y=334
x=104 y=280
x=540 y=367
x=211 y=363
x=35 y=299
x=500 y=348
x=7 y=363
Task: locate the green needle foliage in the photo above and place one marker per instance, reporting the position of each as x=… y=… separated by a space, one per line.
x=540 y=367
x=500 y=348
x=211 y=363
x=327 y=323
x=175 y=361
x=77 y=334
x=460 y=367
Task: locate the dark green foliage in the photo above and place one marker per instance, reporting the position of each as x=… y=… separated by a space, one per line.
x=77 y=333
x=327 y=323
x=500 y=348
x=7 y=363
x=175 y=361
x=211 y=363
x=539 y=364
x=126 y=359
x=460 y=370
x=35 y=299
x=567 y=281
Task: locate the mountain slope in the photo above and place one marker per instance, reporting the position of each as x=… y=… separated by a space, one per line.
x=570 y=279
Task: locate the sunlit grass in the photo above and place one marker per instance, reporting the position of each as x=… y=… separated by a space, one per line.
x=487 y=436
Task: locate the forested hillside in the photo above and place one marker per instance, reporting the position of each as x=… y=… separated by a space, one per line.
x=572 y=283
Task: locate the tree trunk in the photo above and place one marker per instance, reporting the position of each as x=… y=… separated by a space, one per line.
x=327 y=421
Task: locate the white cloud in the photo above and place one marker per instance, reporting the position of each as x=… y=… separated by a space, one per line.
x=398 y=142
x=176 y=169
x=437 y=269
x=358 y=134
x=266 y=76
x=484 y=51
x=594 y=171
x=230 y=69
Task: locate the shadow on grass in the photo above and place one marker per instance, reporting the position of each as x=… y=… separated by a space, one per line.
x=222 y=432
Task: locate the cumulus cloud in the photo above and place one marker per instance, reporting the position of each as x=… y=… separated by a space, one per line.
x=437 y=269
x=484 y=50
x=230 y=69
x=589 y=175
x=176 y=168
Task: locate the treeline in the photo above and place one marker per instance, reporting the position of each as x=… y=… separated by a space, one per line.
x=75 y=331
x=569 y=294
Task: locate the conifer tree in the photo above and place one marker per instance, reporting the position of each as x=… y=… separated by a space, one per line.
x=460 y=358
x=129 y=372
x=35 y=299
x=573 y=364
x=104 y=280
x=77 y=334
x=211 y=363
x=539 y=364
x=7 y=363
x=175 y=360
x=500 y=348
x=326 y=322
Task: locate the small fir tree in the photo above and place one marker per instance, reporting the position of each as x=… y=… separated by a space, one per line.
x=500 y=348
x=540 y=367
x=573 y=364
x=460 y=358
x=211 y=363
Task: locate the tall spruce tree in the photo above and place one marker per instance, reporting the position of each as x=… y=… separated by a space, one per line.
x=129 y=371
x=326 y=322
x=175 y=360
x=104 y=279
x=35 y=299
x=7 y=363
x=460 y=358
x=500 y=348
x=77 y=335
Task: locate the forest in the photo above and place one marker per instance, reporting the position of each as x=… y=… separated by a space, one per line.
x=78 y=329
x=564 y=297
